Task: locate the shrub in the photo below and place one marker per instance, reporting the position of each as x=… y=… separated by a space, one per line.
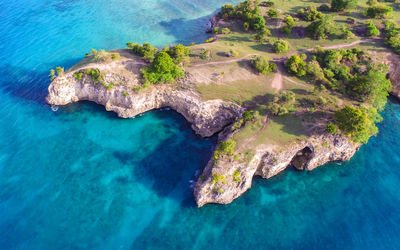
x=392 y=36
x=379 y=11
x=236 y=176
x=217 y=178
x=250 y=115
x=209 y=40
x=324 y=8
x=217 y=30
x=289 y=24
x=267 y=3
x=179 y=53
x=322 y=28
x=340 y=5
x=346 y=33
x=281 y=46
x=205 y=54
x=78 y=75
x=146 y=51
x=272 y=13
x=272 y=67
x=162 y=69
x=262 y=34
x=371 y=30
x=309 y=14
x=296 y=65
x=115 y=56
x=331 y=128
x=261 y=65
x=225 y=147
x=52 y=74
x=233 y=53
x=60 y=71
x=125 y=93
x=246 y=26
x=101 y=56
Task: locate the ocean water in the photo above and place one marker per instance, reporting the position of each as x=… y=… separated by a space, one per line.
x=81 y=178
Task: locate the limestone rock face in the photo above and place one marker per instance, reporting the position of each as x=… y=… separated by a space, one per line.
x=222 y=181
x=206 y=117
x=394 y=75
x=304 y=155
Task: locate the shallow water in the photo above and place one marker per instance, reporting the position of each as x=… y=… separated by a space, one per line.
x=83 y=178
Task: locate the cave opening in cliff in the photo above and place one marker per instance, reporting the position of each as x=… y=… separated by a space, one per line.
x=301 y=158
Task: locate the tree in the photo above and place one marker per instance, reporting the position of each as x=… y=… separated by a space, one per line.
x=272 y=13
x=261 y=65
x=309 y=14
x=162 y=69
x=258 y=23
x=358 y=124
x=289 y=24
x=296 y=65
x=379 y=11
x=179 y=53
x=281 y=46
x=371 y=30
x=346 y=33
x=52 y=74
x=262 y=34
x=146 y=51
x=322 y=28
x=372 y=87
x=341 y=5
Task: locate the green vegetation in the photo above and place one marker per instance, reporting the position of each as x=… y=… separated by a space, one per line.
x=205 y=54
x=236 y=176
x=341 y=5
x=262 y=65
x=179 y=53
x=321 y=28
x=248 y=11
x=359 y=124
x=296 y=65
x=146 y=51
x=283 y=103
x=125 y=93
x=289 y=23
x=217 y=30
x=209 y=40
x=272 y=13
x=309 y=14
x=78 y=75
x=262 y=34
x=225 y=148
x=332 y=128
x=162 y=69
x=218 y=178
x=371 y=30
x=379 y=11
x=392 y=36
x=281 y=46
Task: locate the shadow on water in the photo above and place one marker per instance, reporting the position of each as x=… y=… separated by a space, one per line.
x=28 y=84
x=167 y=168
x=182 y=29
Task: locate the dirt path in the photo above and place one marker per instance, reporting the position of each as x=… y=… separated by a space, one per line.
x=227 y=61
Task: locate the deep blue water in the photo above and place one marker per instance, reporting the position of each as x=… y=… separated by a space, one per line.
x=82 y=178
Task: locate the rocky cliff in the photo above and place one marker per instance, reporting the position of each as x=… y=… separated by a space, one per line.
x=206 y=117
x=235 y=177
x=219 y=183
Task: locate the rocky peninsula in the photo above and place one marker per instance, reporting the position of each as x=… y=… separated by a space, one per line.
x=220 y=85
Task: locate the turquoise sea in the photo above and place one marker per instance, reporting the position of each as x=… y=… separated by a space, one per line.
x=81 y=178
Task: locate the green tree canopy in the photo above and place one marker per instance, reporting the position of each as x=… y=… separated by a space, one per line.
x=162 y=69
x=341 y=5
x=358 y=124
